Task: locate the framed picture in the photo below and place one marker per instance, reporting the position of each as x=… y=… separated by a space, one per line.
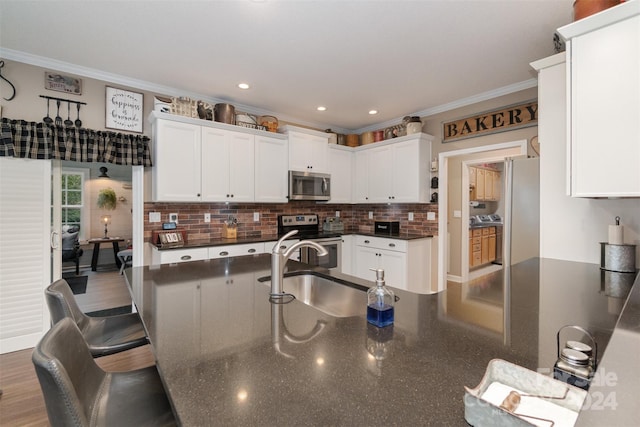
x=61 y=83
x=124 y=110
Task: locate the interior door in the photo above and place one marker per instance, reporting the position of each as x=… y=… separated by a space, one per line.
x=25 y=251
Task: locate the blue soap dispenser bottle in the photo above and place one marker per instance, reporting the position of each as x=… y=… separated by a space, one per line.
x=380 y=301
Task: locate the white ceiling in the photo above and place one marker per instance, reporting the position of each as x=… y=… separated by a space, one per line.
x=399 y=57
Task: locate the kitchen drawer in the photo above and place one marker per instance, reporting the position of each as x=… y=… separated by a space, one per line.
x=179 y=255
x=382 y=243
x=477 y=247
x=485 y=231
x=477 y=256
x=236 y=250
x=476 y=232
x=492 y=230
x=476 y=240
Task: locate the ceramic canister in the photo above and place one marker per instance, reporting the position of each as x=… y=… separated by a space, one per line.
x=353 y=140
x=366 y=138
x=378 y=135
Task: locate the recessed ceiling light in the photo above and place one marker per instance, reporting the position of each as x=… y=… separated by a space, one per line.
x=243 y=85
x=373 y=112
x=321 y=108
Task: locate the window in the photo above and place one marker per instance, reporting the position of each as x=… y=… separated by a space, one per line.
x=74 y=209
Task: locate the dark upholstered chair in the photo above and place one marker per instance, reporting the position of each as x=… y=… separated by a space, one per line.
x=77 y=392
x=104 y=335
x=71 y=250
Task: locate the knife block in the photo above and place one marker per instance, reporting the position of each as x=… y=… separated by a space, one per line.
x=229 y=231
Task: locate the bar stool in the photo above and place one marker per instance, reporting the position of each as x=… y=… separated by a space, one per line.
x=125 y=257
x=77 y=392
x=104 y=335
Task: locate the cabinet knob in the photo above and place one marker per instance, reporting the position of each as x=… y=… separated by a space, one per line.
x=224 y=253
x=251 y=250
x=198 y=194
x=232 y=195
x=185 y=257
x=367 y=242
x=227 y=195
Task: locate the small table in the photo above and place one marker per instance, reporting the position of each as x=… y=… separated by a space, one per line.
x=96 y=249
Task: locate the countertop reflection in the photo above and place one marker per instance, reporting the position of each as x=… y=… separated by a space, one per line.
x=229 y=357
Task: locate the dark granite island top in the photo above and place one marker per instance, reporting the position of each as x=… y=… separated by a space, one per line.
x=229 y=357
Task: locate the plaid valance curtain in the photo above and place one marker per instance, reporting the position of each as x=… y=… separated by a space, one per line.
x=32 y=140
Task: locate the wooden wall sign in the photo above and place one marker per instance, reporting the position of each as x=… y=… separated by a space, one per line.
x=504 y=119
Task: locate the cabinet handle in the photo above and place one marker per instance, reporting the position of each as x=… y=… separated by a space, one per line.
x=392 y=245
x=227 y=195
x=224 y=253
x=367 y=242
x=251 y=250
x=283 y=247
x=232 y=195
x=185 y=257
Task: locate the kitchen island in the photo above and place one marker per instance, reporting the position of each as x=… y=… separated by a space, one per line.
x=228 y=356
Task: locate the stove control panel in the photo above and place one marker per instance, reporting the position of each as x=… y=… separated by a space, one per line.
x=295 y=220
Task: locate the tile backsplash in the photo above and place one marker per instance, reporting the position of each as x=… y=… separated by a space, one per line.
x=355 y=217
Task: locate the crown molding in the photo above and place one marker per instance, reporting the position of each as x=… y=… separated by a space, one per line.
x=50 y=63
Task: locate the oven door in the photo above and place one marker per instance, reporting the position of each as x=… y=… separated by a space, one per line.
x=331 y=261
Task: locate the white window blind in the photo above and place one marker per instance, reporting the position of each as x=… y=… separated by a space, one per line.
x=25 y=254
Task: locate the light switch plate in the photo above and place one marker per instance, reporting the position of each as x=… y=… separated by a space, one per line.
x=256 y=216
x=410 y=216
x=207 y=217
x=457 y=214
x=337 y=214
x=154 y=217
x=431 y=216
x=370 y=215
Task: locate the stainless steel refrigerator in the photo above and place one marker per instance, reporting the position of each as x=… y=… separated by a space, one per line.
x=521 y=232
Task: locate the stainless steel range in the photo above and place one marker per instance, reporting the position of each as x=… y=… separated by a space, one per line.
x=308 y=229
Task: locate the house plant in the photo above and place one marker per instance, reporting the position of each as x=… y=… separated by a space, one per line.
x=107 y=199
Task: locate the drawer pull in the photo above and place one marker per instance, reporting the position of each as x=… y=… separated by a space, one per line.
x=251 y=250
x=224 y=253
x=392 y=245
x=367 y=242
x=185 y=257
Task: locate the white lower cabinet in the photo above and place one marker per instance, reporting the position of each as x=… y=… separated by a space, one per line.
x=178 y=255
x=235 y=250
x=346 y=260
x=407 y=263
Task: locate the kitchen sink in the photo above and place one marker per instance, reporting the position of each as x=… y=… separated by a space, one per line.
x=327 y=294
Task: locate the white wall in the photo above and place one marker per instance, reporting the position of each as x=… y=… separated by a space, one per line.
x=571 y=228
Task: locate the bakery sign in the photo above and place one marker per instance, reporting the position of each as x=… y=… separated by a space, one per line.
x=504 y=119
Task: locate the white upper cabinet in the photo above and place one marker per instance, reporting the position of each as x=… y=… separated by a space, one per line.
x=176 y=161
x=202 y=161
x=308 y=150
x=396 y=171
x=272 y=160
x=227 y=166
x=341 y=168
x=603 y=81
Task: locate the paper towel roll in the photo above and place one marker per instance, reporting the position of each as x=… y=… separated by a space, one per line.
x=616 y=234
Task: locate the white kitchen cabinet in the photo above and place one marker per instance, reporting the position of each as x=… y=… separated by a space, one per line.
x=176 y=161
x=227 y=166
x=271 y=166
x=308 y=150
x=170 y=256
x=407 y=263
x=341 y=169
x=346 y=262
x=395 y=171
x=227 y=251
x=603 y=83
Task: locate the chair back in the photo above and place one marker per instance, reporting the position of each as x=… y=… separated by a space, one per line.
x=70 y=380
x=62 y=303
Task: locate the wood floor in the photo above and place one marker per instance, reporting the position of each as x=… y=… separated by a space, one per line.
x=21 y=402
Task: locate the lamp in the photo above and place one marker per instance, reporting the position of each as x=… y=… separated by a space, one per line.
x=105 y=219
x=103 y=172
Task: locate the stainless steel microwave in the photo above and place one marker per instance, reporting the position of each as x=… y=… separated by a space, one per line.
x=309 y=186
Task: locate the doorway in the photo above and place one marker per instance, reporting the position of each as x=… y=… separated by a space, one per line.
x=453 y=209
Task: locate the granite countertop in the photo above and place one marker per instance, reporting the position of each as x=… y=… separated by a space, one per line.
x=230 y=357
x=200 y=243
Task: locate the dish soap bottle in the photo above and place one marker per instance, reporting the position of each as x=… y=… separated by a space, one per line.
x=380 y=301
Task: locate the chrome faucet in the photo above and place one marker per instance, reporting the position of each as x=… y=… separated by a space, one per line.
x=280 y=256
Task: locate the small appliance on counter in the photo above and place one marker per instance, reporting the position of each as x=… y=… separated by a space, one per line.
x=615 y=255
x=333 y=224
x=389 y=228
